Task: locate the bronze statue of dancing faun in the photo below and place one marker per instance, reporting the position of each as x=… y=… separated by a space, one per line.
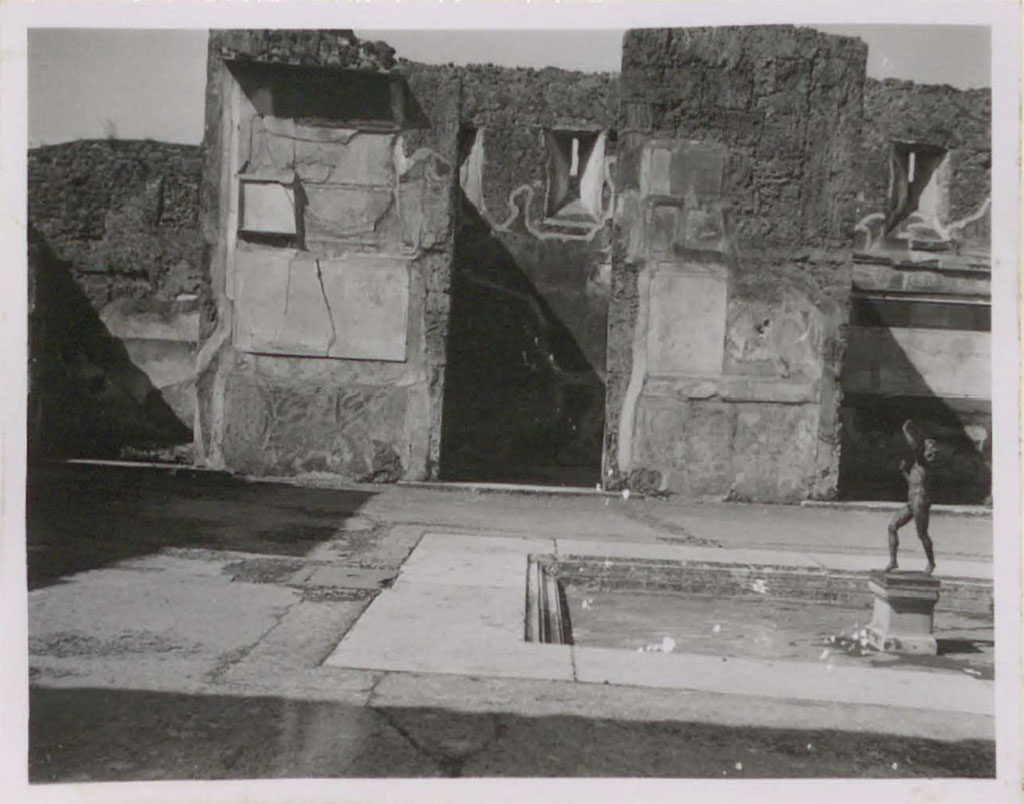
x=918 y=496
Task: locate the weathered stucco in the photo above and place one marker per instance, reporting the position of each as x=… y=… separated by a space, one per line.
x=317 y=355
x=958 y=121
x=402 y=270
x=732 y=191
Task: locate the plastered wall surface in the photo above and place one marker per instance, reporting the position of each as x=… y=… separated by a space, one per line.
x=679 y=278
x=319 y=358
x=957 y=121
x=733 y=144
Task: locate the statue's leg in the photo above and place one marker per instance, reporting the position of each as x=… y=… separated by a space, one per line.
x=902 y=518
x=921 y=517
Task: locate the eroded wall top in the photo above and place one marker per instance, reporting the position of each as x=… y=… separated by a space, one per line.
x=786 y=103
x=322 y=48
x=925 y=170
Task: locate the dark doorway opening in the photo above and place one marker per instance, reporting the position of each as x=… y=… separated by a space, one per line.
x=524 y=386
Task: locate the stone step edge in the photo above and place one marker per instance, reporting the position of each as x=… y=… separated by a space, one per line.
x=886 y=505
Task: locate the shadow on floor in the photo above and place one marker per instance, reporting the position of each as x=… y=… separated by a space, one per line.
x=956 y=646
x=118 y=735
x=82 y=517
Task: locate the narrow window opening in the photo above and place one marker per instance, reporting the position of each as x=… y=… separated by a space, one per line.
x=471 y=165
x=575 y=175
x=917 y=190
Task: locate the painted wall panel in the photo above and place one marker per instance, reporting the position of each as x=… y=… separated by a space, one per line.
x=918 y=362
x=293 y=303
x=369 y=300
x=688 y=313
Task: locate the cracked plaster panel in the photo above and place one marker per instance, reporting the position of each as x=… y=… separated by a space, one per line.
x=292 y=303
x=261 y=296
x=306 y=326
x=268 y=207
x=364 y=159
x=369 y=297
x=772 y=445
x=690 y=442
x=424 y=213
x=334 y=212
x=274 y=428
x=757 y=452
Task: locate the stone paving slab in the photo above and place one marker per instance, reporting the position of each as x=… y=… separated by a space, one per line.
x=791 y=680
x=504 y=569
x=167 y=606
x=889 y=507
x=368 y=546
x=579 y=547
x=481 y=544
x=195 y=563
x=979 y=570
x=537 y=698
x=350 y=577
x=431 y=628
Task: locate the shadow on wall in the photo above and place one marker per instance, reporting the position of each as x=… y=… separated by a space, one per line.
x=521 y=403
x=87 y=399
x=873 y=444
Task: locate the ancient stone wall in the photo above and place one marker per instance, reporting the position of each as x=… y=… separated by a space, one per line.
x=957 y=121
x=115 y=276
x=330 y=245
x=525 y=387
x=919 y=335
x=511 y=264
x=734 y=188
x=313 y=48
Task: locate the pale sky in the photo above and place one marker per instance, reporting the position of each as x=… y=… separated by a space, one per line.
x=86 y=83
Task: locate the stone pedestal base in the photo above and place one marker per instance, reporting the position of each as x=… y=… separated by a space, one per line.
x=904 y=612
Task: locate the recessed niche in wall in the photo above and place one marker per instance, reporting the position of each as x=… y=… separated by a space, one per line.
x=328 y=96
x=917 y=185
x=270 y=209
x=575 y=174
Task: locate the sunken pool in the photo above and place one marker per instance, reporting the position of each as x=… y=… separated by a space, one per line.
x=728 y=610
